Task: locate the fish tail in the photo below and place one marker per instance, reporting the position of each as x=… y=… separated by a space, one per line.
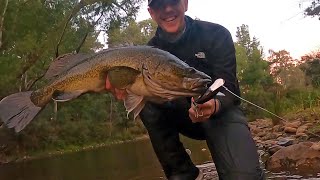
x=17 y=110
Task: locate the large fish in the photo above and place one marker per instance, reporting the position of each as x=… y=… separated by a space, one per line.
x=146 y=73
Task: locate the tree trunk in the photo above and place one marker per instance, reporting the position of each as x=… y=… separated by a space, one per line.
x=2 y=20
x=110 y=116
x=55 y=110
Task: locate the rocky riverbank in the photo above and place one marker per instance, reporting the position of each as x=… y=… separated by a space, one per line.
x=292 y=146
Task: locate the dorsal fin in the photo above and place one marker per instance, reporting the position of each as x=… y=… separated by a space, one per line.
x=64 y=63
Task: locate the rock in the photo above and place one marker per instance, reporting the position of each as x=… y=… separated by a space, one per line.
x=256 y=138
x=277 y=128
x=269 y=143
x=261 y=134
x=297 y=158
x=294 y=124
x=285 y=142
x=263 y=123
x=269 y=136
x=273 y=149
x=301 y=135
x=209 y=171
x=316 y=146
x=254 y=129
x=308 y=124
x=279 y=135
x=302 y=129
x=290 y=130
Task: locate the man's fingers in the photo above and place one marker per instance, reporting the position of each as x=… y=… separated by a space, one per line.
x=120 y=94
x=201 y=112
x=108 y=84
x=192 y=114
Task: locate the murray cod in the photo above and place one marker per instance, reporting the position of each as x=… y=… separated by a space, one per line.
x=146 y=73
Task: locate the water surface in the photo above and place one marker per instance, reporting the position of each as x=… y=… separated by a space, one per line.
x=128 y=161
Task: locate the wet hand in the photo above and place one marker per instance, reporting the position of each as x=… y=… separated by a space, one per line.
x=202 y=112
x=120 y=94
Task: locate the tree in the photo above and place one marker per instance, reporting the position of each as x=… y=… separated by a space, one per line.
x=35 y=32
x=3 y=4
x=292 y=78
x=280 y=61
x=311 y=67
x=252 y=70
x=314 y=9
x=244 y=40
x=135 y=33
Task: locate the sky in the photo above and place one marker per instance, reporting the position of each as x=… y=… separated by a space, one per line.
x=278 y=24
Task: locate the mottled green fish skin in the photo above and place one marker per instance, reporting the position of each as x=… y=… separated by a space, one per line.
x=90 y=74
x=146 y=73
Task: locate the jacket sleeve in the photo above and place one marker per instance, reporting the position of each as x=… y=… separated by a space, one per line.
x=151 y=42
x=222 y=59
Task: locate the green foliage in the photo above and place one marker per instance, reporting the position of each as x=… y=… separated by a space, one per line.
x=312 y=70
x=252 y=70
x=257 y=74
x=292 y=78
x=259 y=96
x=275 y=84
x=33 y=34
x=135 y=33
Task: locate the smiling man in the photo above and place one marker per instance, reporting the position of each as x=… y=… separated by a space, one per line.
x=209 y=48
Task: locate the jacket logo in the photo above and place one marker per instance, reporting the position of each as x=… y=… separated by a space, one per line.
x=200 y=55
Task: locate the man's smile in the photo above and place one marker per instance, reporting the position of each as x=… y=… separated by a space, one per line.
x=169 y=19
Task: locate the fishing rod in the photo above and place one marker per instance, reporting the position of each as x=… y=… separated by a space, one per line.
x=215 y=88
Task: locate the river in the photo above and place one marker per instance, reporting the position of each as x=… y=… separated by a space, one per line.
x=128 y=161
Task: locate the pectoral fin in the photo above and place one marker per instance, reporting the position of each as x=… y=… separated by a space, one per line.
x=61 y=96
x=134 y=103
x=122 y=76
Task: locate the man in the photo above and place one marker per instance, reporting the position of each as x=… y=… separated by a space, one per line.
x=209 y=48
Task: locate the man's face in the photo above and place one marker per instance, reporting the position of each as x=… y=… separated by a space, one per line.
x=169 y=14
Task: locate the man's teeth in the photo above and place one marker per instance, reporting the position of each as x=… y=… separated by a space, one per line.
x=170 y=19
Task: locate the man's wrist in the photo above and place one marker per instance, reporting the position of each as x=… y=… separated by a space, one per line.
x=217 y=106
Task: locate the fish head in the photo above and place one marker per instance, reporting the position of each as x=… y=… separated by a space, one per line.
x=175 y=77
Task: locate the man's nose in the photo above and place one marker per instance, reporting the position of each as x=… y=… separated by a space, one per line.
x=167 y=8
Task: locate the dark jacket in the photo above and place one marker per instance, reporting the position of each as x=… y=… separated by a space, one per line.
x=218 y=60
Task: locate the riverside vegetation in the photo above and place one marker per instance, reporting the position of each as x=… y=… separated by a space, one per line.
x=33 y=33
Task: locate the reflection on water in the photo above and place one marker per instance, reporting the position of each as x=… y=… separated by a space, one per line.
x=128 y=161
x=121 y=161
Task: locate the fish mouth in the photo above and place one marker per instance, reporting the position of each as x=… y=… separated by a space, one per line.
x=198 y=85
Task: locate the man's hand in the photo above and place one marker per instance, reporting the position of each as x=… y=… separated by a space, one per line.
x=202 y=112
x=118 y=93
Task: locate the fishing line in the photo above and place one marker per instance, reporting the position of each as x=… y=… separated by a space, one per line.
x=252 y=103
